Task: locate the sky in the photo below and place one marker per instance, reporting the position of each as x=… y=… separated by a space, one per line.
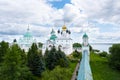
x=100 y=19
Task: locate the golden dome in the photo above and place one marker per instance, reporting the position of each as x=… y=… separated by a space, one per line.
x=64 y=28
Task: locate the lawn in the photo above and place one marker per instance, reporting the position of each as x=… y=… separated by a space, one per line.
x=101 y=69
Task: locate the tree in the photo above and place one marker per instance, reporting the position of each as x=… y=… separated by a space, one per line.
x=77 y=54
x=57 y=74
x=23 y=57
x=51 y=59
x=114 y=60
x=14 y=40
x=3 y=49
x=35 y=61
x=40 y=44
x=90 y=47
x=45 y=56
x=56 y=57
x=103 y=54
x=62 y=59
x=12 y=67
x=76 y=45
x=46 y=53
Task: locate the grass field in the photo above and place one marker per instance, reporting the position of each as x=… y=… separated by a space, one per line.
x=101 y=69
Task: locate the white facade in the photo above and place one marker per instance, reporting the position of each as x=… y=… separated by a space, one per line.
x=62 y=40
x=85 y=45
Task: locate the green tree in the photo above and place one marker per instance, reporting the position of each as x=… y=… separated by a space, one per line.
x=77 y=54
x=51 y=59
x=56 y=57
x=35 y=61
x=57 y=73
x=45 y=56
x=3 y=49
x=12 y=67
x=76 y=45
x=114 y=60
x=14 y=40
x=62 y=59
x=23 y=57
x=40 y=44
x=103 y=54
x=90 y=47
x=46 y=53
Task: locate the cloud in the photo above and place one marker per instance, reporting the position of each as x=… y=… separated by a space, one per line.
x=42 y=16
x=106 y=10
x=15 y=15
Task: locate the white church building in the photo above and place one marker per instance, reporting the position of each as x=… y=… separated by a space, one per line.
x=60 y=40
x=25 y=42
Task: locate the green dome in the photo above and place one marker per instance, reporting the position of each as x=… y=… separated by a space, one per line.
x=53 y=37
x=27 y=34
x=85 y=36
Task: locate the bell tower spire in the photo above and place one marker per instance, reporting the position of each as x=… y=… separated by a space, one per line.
x=28 y=28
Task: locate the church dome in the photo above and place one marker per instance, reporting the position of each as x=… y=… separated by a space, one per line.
x=64 y=28
x=85 y=36
x=53 y=37
x=27 y=34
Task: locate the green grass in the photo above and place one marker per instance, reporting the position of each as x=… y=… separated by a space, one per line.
x=101 y=69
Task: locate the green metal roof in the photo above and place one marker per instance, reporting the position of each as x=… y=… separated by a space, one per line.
x=85 y=36
x=53 y=37
x=27 y=34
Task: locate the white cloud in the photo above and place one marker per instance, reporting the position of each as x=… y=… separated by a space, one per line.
x=16 y=15
x=107 y=10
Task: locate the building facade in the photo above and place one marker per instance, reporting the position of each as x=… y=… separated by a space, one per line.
x=62 y=40
x=26 y=40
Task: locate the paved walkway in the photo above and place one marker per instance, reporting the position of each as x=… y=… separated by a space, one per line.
x=74 y=76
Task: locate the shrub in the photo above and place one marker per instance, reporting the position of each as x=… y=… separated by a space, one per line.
x=77 y=54
x=103 y=54
x=58 y=73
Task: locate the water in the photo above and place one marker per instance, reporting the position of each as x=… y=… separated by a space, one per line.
x=102 y=47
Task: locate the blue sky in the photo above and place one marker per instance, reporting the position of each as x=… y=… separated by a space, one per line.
x=59 y=3
x=98 y=19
